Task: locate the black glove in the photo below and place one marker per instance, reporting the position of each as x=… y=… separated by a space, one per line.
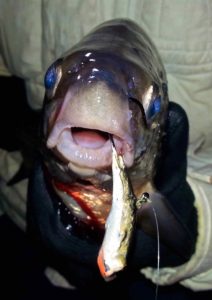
x=174 y=201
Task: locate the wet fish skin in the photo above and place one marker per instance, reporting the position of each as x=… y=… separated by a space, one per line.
x=116 y=62
x=117 y=54
x=107 y=82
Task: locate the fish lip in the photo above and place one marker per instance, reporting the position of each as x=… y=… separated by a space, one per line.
x=61 y=139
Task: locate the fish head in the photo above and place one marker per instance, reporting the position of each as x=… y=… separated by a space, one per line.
x=92 y=94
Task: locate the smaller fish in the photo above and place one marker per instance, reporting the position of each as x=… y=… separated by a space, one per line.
x=120 y=222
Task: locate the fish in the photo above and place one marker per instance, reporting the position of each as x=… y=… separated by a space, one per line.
x=120 y=223
x=111 y=82
x=119 y=226
x=111 y=85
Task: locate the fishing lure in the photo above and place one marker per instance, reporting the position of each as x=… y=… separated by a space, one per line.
x=120 y=223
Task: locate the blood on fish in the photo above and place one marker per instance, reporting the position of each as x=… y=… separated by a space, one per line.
x=76 y=195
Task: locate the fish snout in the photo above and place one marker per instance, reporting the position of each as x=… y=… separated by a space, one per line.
x=80 y=133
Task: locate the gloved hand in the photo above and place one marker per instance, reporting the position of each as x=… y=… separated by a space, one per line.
x=173 y=202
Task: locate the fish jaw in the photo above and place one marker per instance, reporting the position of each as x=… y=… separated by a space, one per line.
x=112 y=256
x=80 y=132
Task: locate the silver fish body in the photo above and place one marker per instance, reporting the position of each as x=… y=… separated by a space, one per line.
x=120 y=222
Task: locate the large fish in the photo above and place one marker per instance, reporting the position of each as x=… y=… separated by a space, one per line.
x=111 y=84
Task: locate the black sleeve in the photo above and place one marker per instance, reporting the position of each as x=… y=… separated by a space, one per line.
x=171 y=173
x=44 y=222
x=176 y=209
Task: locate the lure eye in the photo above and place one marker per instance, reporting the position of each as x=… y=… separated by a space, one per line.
x=50 y=77
x=154 y=108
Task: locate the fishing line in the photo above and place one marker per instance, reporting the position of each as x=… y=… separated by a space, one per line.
x=144 y=199
x=158 y=250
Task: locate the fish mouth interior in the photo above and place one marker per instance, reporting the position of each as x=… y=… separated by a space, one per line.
x=86 y=150
x=89 y=138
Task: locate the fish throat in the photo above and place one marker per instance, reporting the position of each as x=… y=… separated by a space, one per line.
x=89 y=138
x=87 y=203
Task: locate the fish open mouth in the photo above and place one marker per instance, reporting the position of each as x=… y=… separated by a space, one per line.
x=88 y=138
x=80 y=136
x=80 y=133
x=88 y=148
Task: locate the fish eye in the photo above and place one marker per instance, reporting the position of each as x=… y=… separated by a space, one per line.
x=50 y=77
x=154 y=108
